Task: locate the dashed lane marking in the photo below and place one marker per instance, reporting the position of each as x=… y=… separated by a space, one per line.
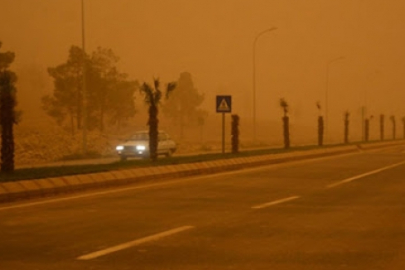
x=348 y=180
x=275 y=202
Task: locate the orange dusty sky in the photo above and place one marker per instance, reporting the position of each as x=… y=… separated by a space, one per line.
x=213 y=40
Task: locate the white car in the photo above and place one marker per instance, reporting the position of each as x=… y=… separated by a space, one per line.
x=138 y=145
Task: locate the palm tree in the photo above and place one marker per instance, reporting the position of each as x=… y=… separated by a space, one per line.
x=286 y=131
x=382 y=117
x=346 y=125
x=320 y=125
x=7 y=119
x=235 y=133
x=8 y=115
x=367 y=128
x=393 y=126
x=403 y=126
x=153 y=96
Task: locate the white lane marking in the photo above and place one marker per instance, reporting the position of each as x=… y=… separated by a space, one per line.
x=275 y=202
x=364 y=175
x=116 y=248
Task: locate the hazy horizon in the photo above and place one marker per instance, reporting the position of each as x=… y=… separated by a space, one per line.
x=213 y=40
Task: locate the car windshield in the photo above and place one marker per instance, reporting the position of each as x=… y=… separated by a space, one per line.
x=139 y=136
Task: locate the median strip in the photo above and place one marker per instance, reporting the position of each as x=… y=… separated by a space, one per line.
x=126 y=245
x=275 y=202
x=364 y=175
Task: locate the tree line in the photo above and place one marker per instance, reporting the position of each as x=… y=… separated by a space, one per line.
x=108 y=94
x=91 y=86
x=346 y=125
x=90 y=92
x=105 y=96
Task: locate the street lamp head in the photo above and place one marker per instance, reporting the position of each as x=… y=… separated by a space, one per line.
x=267 y=30
x=336 y=59
x=263 y=32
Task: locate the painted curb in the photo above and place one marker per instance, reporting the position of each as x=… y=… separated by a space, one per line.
x=11 y=191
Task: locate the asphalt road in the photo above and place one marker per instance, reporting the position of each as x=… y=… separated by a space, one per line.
x=344 y=212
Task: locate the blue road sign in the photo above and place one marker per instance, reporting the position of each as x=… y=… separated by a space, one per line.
x=224 y=104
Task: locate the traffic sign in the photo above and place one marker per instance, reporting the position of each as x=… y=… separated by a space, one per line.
x=224 y=104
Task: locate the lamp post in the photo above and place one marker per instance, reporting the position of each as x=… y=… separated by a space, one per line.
x=254 y=77
x=327 y=90
x=84 y=90
x=364 y=116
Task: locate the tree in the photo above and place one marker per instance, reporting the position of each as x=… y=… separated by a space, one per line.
x=286 y=129
x=346 y=127
x=111 y=91
x=382 y=118
x=403 y=127
x=118 y=111
x=108 y=92
x=67 y=99
x=8 y=116
x=153 y=96
x=6 y=59
x=201 y=116
x=367 y=128
x=183 y=105
x=320 y=125
x=235 y=133
x=392 y=118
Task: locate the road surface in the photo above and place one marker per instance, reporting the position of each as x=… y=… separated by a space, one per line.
x=344 y=212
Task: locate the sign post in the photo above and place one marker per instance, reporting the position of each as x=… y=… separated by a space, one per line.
x=223 y=105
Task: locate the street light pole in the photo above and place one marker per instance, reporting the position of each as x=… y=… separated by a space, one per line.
x=364 y=115
x=327 y=90
x=254 y=78
x=84 y=90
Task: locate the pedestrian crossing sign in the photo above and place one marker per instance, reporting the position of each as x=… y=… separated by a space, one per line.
x=224 y=104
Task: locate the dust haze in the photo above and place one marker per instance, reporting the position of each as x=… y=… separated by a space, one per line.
x=213 y=41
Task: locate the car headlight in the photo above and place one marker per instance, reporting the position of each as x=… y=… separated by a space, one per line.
x=119 y=148
x=140 y=147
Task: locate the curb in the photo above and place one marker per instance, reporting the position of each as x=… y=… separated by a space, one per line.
x=28 y=189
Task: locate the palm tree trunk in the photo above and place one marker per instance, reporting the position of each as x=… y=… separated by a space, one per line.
x=403 y=127
x=382 y=127
x=286 y=132
x=153 y=131
x=320 y=130
x=346 y=133
x=235 y=133
x=72 y=123
x=79 y=106
x=7 y=104
x=366 y=129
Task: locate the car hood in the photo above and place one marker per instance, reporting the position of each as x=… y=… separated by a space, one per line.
x=133 y=143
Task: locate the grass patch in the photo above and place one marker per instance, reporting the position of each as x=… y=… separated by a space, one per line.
x=91 y=154
x=47 y=172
